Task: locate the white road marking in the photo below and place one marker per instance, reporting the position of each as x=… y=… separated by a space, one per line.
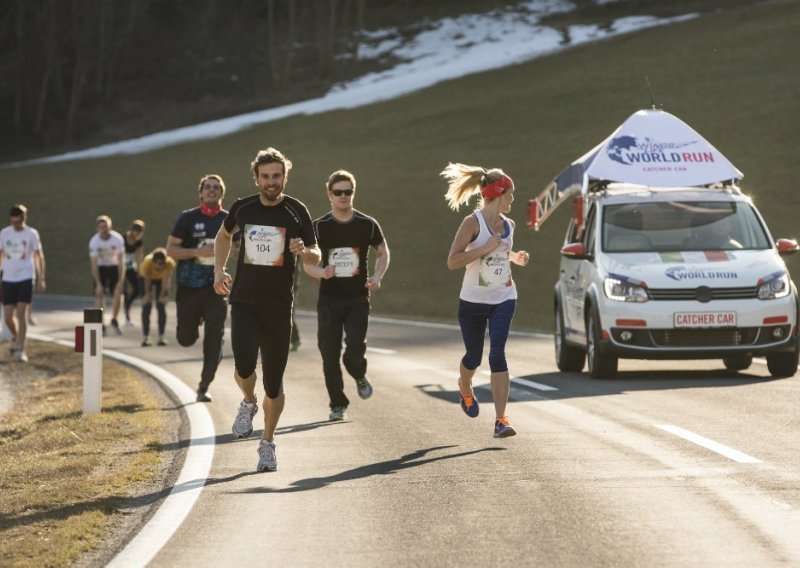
x=381 y=351
x=196 y=466
x=526 y=382
x=709 y=444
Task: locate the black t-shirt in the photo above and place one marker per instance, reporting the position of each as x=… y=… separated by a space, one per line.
x=346 y=246
x=265 y=267
x=196 y=230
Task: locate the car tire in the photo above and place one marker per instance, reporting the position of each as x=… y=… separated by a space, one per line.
x=738 y=362
x=783 y=364
x=568 y=357
x=602 y=365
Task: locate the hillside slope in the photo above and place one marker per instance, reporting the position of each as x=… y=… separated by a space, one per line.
x=728 y=74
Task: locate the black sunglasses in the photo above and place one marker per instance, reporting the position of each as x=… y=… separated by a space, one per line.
x=340 y=192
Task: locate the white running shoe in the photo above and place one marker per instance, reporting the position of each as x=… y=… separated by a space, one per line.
x=243 y=423
x=267 y=461
x=22 y=357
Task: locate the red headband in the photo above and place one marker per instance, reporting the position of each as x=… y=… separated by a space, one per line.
x=497 y=188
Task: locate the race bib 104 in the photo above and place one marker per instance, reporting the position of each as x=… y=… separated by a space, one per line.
x=495 y=270
x=264 y=245
x=345 y=261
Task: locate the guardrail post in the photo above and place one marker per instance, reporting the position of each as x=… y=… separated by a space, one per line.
x=92 y=360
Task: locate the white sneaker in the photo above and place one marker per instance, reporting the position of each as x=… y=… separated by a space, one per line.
x=22 y=357
x=267 y=461
x=128 y=323
x=243 y=423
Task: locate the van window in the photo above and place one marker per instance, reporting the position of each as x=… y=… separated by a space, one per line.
x=666 y=226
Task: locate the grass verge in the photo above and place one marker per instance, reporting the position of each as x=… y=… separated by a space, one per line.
x=68 y=481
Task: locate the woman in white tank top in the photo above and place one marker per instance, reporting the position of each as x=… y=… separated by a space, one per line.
x=483 y=246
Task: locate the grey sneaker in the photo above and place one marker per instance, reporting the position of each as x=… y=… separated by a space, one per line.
x=243 y=423
x=115 y=327
x=337 y=413
x=266 y=456
x=364 y=388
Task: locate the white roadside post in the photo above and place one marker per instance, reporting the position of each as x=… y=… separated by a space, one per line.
x=92 y=359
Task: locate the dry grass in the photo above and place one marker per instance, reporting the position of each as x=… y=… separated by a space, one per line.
x=65 y=477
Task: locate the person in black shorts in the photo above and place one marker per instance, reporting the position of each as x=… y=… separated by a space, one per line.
x=107 y=259
x=275 y=228
x=191 y=243
x=134 y=254
x=22 y=264
x=345 y=236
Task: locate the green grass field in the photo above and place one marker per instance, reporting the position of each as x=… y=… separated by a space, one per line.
x=729 y=75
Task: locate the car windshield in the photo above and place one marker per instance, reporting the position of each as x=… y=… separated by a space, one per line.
x=666 y=226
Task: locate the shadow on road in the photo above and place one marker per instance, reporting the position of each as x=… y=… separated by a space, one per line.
x=579 y=385
x=388 y=467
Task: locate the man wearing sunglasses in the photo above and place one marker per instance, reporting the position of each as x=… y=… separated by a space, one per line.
x=345 y=236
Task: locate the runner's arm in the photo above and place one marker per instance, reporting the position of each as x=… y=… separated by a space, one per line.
x=311 y=255
x=381 y=265
x=38 y=266
x=459 y=257
x=176 y=251
x=222 y=249
x=95 y=270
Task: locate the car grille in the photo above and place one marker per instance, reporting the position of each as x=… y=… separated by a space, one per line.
x=741 y=293
x=704 y=337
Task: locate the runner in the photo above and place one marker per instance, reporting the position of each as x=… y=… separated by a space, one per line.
x=344 y=236
x=21 y=261
x=107 y=257
x=134 y=251
x=156 y=270
x=483 y=245
x=275 y=227
x=191 y=243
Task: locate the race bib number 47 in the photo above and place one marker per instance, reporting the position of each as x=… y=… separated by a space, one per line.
x=264 y=245
x=345 y=260
x=495 y=270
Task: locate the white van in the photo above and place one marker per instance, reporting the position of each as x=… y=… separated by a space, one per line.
x=670 y=261
x=673 y=273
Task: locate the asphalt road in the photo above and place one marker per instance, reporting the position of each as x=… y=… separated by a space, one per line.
x=620 y=472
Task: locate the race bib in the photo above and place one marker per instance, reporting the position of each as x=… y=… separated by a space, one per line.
x=345 y=261
x=495 y=270
x=15 y=250
x=206 y=260
x=106 y=254
x=264 y=245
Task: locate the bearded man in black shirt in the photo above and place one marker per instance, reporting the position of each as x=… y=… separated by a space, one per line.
x=345 y=236
x=275 y=228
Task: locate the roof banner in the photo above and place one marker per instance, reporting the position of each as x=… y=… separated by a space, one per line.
x=652 y=148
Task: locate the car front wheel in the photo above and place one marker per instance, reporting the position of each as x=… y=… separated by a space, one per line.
x=783 y=364
x=568 y=357
x=602 y=365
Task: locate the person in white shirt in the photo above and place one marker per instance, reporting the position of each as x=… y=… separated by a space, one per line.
x=21 y=259
x=107 y=257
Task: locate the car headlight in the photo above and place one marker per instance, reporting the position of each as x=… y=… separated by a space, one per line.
x=776 y=286
x=624 y=291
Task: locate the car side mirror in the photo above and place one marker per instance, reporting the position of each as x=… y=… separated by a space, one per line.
x=574 y=250
x=787 y=246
